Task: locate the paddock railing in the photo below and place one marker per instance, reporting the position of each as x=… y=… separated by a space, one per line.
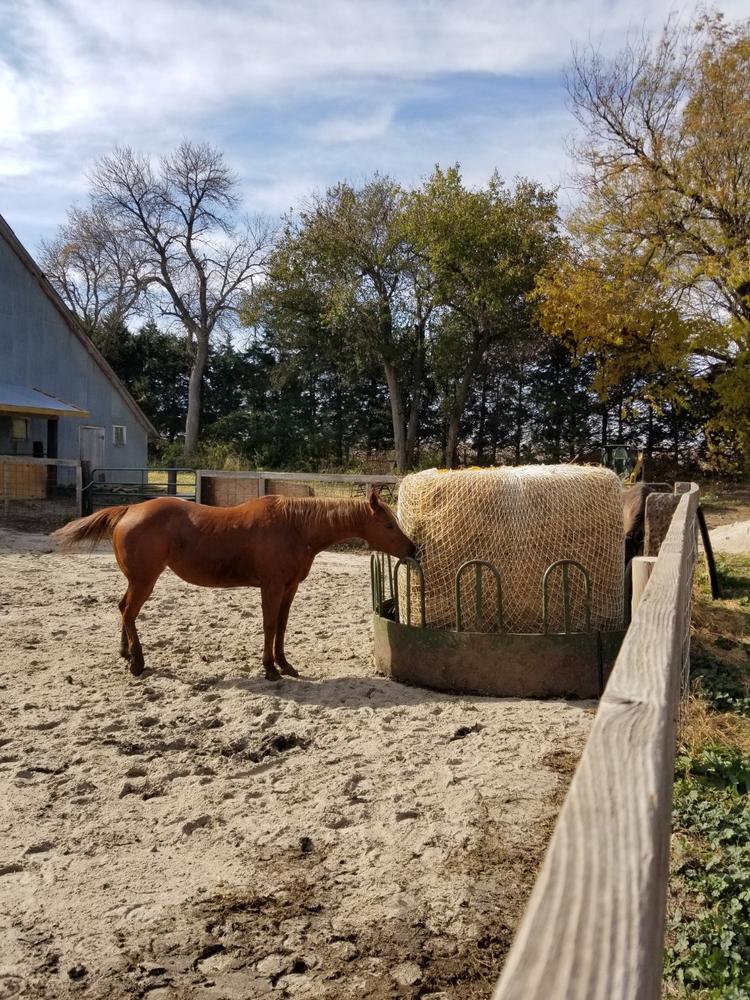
x=109 y=487
x=224 y=488
x=38 y=494
x=594 y=925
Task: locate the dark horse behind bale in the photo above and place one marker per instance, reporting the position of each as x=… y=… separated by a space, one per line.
x=268 y=543
x=634 y=518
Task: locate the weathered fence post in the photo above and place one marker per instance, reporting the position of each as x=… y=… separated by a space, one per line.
x=86 y=491
x=79 y=489
x=171 y=479
x=660 y=508
x=641 y=568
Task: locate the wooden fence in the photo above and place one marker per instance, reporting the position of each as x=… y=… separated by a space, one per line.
x=223 y=489
x=594 y=926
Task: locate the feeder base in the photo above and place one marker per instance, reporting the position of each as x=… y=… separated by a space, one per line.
x=500 y=665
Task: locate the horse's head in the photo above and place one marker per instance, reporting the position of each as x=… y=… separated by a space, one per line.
x=383 y=532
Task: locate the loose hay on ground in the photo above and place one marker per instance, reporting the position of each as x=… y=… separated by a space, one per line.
x=203 y=831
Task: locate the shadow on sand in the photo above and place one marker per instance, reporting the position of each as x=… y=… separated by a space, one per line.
x=356 y=692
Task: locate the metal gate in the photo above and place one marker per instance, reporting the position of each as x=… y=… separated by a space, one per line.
x=111 y=487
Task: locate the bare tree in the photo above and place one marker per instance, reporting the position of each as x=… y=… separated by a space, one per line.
x=172 y=236
x=94 y=268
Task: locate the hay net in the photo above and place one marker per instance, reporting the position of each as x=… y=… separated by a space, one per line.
x=521 y=520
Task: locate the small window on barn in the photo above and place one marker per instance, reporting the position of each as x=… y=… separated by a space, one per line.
x=119 y=434
x=20 y=430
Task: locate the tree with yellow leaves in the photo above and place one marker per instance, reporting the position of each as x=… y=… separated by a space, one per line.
x=657 y=275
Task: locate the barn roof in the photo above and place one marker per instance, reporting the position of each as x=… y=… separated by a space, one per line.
x=19 y=399
x=46 y=286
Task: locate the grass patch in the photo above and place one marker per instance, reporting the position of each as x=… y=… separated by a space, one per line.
x=734 y=576
x=159 y=478
x=704 y=726
x=708 y=935
x=720 y=653
x=708 y=920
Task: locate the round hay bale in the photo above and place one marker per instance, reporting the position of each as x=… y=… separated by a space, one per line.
x=521 y=520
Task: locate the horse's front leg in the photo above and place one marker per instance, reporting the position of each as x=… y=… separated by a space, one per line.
x=271 y=596
x=278 y=650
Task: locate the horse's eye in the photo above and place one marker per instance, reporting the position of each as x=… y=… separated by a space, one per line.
x=391 y=527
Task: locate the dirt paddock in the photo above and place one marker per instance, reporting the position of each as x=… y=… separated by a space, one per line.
x=202 y=832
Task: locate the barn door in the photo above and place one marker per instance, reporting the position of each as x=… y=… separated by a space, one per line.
x=92 y=449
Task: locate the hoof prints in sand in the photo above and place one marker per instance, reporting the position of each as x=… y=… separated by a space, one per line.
x=201 y=832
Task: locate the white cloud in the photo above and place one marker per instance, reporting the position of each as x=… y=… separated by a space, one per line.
x=80 y=63
x=350 y=128
x=77 y=76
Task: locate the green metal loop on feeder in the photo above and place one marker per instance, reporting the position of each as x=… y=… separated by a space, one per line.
x=409 y=564
x=479 y=565
x=376 y=583
x=567 y=617
x=380 y=571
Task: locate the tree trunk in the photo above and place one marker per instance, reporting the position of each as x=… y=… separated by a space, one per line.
x=572 y=425
x=451 y=441
x=605 y=423
x=519 y=416
x=397 y=416
x=459 y=405
x=482 y=420
x=195 y=386
x=339 y=425
x=495 y=424
x=416 y=400
x=313 y=398
x=369 y=434
x=650 y=434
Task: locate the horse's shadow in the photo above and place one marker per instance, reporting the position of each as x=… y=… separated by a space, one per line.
x=353 y=692
x=347 y=692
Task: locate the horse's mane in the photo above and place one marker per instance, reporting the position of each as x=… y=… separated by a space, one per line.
x=317 y=512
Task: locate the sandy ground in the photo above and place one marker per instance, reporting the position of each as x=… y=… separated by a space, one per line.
x=733 y=538
x=201 y=832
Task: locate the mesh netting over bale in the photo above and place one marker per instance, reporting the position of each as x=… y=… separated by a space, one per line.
x=521 y=520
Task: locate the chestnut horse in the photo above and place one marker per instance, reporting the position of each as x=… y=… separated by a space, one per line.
x=268 y=543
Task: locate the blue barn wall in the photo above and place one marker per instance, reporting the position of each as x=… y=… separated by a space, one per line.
x=39 y=350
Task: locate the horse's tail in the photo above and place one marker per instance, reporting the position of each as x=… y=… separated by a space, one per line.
x=87 y=531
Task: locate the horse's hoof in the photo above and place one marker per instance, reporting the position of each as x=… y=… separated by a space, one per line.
x=272 y=674
x=137 y=666
x=124 y=653
x=288 y=669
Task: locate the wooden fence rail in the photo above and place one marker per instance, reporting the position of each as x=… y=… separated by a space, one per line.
x=222 y=488
x=594 y=926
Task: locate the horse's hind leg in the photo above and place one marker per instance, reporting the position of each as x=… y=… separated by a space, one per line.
x=124 y=644
x=278 y=651
x=136 y=596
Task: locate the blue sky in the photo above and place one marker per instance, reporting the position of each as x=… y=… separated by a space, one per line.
x=298 y=93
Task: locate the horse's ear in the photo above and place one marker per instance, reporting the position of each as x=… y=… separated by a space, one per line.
x=374 y=499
